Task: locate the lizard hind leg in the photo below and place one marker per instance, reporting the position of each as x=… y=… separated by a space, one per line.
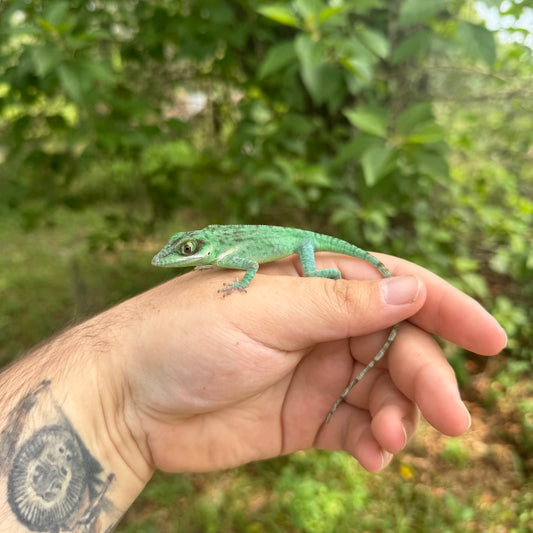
x=307 y=258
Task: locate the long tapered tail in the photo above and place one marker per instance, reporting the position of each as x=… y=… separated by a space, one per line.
x=332 y=244
x=360 y=376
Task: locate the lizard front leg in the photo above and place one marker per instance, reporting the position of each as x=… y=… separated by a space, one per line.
x=307 y=258
x=238 y=263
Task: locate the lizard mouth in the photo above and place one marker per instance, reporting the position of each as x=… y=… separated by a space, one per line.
x=159 y=259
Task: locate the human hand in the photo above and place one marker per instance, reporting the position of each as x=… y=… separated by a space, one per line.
x=214 y=382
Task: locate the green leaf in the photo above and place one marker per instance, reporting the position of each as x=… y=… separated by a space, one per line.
x=430 y=132
x=45 y=25
x=277 y=57
x=373 y=162
x=353 y=149
x=329 y=12
x=413 y=116
x=317 y=175
x=71 y=81
x=310 y=53
x=360 y=70
x=417 y=11
x=477 y=41
x=346 y=213
x=358 y=59
x=56 y=12
x=45 y=58
x=97 y=70
x=321 y=79
x=375 y=41
x=328 y=87
x=281 y=13
x=414 y=45
x=432 y=164
x=476 y=284
x=78 y=77
x=309 y=7
x=370 y=119
x=56 y=18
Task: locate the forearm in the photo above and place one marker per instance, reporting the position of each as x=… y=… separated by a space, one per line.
x=67 y=458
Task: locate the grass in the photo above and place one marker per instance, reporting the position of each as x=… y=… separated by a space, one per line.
x=480 y=482
x=321 y=492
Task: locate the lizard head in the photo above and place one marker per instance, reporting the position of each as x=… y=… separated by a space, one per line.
x=184 y=249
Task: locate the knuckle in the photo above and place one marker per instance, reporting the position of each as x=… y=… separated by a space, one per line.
x=342 y=297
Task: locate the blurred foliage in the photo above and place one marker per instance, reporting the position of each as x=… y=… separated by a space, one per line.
x=342 y=116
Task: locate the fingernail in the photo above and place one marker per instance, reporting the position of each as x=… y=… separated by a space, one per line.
x=405 y=434
x=400 y=290
x=386 y=458
x=469 y=416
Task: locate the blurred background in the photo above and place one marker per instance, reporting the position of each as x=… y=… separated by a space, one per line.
x=404 y=127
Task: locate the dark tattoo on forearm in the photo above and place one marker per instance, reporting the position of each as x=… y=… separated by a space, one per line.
x=52 y=481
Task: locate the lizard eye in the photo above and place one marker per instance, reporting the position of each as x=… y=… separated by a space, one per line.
x=188 y=248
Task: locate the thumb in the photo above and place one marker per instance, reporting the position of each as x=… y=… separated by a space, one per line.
x=321 y=310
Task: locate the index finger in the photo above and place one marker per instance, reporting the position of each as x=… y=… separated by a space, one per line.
x=447 y=311
x=452 y=314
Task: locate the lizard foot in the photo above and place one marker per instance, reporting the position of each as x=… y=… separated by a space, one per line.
x=231 y=287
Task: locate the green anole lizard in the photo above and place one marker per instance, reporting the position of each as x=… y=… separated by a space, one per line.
x=243 y=247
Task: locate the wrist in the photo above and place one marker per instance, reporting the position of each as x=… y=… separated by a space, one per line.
x=67 y=456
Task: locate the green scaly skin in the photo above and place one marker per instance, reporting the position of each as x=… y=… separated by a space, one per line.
x=244 y=247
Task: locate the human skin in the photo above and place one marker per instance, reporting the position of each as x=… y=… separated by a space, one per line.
x=181 y=379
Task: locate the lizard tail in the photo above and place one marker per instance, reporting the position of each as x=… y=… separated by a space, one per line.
x=359 y=377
